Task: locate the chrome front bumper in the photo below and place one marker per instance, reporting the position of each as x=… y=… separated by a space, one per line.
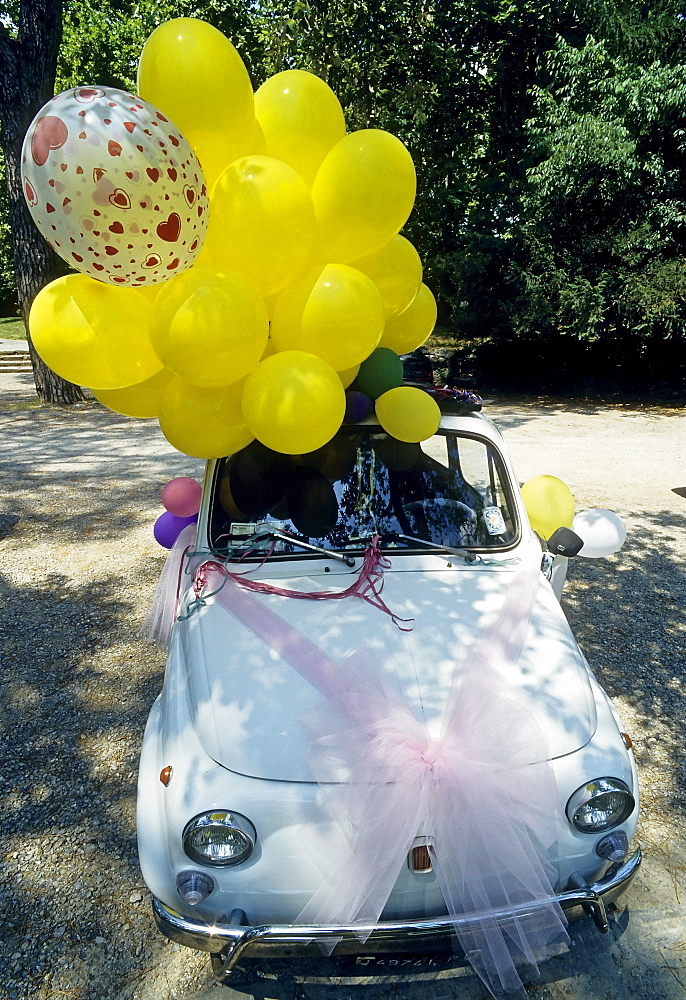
x=234 y=941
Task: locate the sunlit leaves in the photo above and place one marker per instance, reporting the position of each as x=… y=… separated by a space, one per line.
x=604 y=206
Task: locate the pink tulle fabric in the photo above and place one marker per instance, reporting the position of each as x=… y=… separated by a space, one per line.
x=482 y=793
x=164 y=606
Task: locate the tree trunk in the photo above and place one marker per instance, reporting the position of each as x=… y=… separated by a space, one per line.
x=27 y=77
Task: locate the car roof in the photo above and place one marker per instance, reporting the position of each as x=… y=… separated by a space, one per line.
x=470 y=423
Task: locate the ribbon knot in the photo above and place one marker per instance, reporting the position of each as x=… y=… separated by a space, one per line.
x=433 y=755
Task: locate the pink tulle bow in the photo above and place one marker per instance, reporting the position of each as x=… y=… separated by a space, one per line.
x=482 y=794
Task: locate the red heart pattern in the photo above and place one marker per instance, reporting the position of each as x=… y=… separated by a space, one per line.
x=49 y=133
x=86 y=95
x=30 y=194
x=170 y=230
x=120 y=198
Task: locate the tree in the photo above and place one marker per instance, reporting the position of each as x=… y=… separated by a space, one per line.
x=547 y=136
x=417 y=70
x=603 y=210
x=7 y=282
x=27 y=74
x=102 y=40
x=453 y=79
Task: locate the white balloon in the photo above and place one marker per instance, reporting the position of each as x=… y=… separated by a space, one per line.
x=603 y=532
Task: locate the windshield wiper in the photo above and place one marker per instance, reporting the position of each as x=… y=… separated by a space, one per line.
x=282 y=536
x=465 y=554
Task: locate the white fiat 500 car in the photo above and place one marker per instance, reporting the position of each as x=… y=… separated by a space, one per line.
x=377 y=733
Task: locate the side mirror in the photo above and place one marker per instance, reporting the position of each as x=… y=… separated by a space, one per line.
x=565 y=542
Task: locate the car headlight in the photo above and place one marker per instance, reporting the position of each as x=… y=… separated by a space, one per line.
x=600 y=805
x=219 y=838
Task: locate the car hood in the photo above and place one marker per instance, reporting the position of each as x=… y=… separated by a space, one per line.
x=250 y=707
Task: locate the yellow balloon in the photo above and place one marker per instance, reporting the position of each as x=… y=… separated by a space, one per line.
x=408 y=414
x=301 y=119
x=363 y=195
x=204 y=423
x=261 y=222
x=93 y=334
x=293 y=402
x=269 y=350
x=549 y=504
x=258 y=143
x=210 y=327
x=348 y=376
x=335 y=312
x=191 y=71
x=216 y=151
x=409 y=330
x=270 y=303
x=143 y=400
x=396 y=270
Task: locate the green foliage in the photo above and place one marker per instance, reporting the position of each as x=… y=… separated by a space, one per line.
x=431 y=72
x=7 y=282
x=603 y=210
x=102 y=40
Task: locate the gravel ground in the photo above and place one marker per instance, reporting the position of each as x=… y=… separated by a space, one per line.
x=80 y=492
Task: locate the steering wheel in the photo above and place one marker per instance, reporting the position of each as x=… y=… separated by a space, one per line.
x=441 y=520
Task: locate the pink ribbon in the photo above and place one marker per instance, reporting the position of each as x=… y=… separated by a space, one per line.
x=367 y=586
x=482 y=792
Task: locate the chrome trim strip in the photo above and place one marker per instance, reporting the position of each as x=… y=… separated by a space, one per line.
x=290 y=939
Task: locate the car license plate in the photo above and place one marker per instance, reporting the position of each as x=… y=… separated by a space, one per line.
x=405 y=963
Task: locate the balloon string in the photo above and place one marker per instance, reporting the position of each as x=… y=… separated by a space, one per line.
x=177 y=596
x=368 y=585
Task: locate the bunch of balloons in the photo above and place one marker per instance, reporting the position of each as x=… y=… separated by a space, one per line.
x=239 y=255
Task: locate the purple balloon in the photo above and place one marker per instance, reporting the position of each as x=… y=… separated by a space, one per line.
x=357 y=406
x=168 y=527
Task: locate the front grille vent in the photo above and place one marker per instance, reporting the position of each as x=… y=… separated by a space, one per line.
x=419 y=859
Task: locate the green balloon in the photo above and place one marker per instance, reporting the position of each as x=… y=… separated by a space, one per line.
x=383 y=370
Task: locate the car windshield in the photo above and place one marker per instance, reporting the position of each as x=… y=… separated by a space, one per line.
x=451 y=490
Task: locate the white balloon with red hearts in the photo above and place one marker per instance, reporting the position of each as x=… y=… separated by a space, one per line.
x=114 y=187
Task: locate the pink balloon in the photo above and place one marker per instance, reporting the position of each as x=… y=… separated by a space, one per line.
x=181 y=496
